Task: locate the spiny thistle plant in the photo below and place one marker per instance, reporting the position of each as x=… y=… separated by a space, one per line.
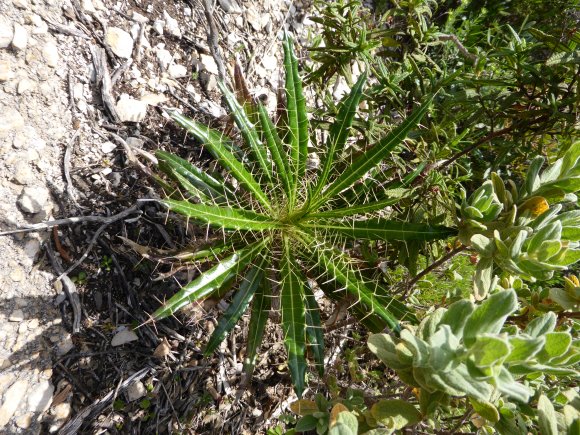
x=284 y=227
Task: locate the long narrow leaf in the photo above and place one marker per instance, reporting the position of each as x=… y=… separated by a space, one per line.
x=383 y=229
x=381 y=188
x=249 y=132
x=336 y=265
x=274 y=144
x=356 y=210
x=240 y=302
x=296 y=114
x=260 y=312
x=373 y=156
x=193 y=178
x=314 y=329
x=222 y=217
x=215 y=142
x=210 y=281
x=293 y=318
x=339 y=131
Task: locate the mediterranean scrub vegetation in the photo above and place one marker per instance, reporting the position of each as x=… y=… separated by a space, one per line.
x=429 y=185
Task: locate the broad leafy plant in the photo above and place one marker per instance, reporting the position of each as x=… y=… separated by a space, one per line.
x=517 y=231
x=285 y=226
x=470 y=351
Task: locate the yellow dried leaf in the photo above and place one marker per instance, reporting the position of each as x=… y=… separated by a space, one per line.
x=303 y=407
x=336 y=409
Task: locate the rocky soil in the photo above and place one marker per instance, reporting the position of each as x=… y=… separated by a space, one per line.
x=81 y=86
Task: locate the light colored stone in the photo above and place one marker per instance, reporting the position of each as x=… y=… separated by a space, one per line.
x=20 y=38
x=177 y=71
x=154 y=99
x=61 y=411
x=270 y=62
x=164 y=58
x=24 y=421
x=32 y=248
x=22 y=173
x=10 y=120
x=135 y=391
x=65 y=345
x=171 y=25
x=40 y=397
x=33 y=199
x=50 y=54
x=230 y=6
x=33 y=324
x=108 y=147
x=87 y=6
x=209 y=64
x=25 y=85
x=131 y=110
x=158 y=26
x=20 y=4
x=120 y=42
x=139 y=18
x=16 y=316
x=6 y=32
x=17 y=274
x=6 y=72
x=40 y=26
x=13 y=397
x=123 y=337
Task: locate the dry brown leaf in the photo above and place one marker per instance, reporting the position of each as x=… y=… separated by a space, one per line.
x=163 y=349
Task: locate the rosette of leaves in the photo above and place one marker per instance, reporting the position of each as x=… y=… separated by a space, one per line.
x=525 y=231
x=467 y=350
x=283 y=227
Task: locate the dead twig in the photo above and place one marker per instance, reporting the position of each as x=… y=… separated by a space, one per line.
x=65 y=30
x=459 y=45
x=73 y=426
x=119 y=71
x=70 y=190
x=104 y=80
x=433 y=266
x=69 y=288
x=212 y=39
x=107 y=222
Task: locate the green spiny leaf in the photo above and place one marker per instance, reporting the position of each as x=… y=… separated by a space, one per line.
x=240 y=302
x=276 y=148
x=339 y=131
x=373 y=156
x=383 y=229
x=222 y=217
x=259 y=315
x=292 y=305
x=211 y=280
x=248 y=130
x=314 y=328
x=216 y=143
